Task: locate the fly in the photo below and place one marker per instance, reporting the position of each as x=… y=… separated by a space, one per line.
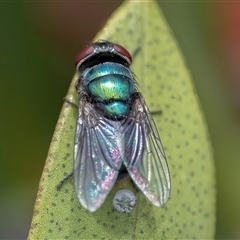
x=115 y=129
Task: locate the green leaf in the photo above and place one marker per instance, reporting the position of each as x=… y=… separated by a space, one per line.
x=165 y=83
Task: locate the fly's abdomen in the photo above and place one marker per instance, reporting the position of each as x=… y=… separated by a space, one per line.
x=117 y=109
x=110 y=85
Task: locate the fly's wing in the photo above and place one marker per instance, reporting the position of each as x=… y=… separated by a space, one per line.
x=144 y=156
x=96 y=157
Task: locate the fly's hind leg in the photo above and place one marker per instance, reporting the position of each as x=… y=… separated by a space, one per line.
x=64 y=180
x=83 y=96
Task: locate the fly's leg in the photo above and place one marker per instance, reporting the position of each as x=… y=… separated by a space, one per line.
x=139 y=96
x=70 y=174
x=64 y=180
x=135 y=52
x=156 y=112
x=84 y=96
x=69 y=102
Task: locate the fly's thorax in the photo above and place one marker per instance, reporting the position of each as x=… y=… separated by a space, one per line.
x=110 y=85
x=109 y=81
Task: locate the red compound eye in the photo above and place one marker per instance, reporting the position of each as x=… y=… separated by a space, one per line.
x=123 y=51
x=87 y=50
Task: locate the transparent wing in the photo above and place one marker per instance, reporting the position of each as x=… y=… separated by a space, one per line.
x=144 y=156
x=96 y=157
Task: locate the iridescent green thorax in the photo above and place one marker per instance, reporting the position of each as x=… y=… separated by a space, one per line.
x=111 y=85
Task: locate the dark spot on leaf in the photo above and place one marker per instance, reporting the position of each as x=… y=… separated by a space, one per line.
x=197 y=151
x=67 y=156
x=206 y=215
x=194 y=136
x=130 y=31
x=129 y=15
x=104 y=224
x=203 y=168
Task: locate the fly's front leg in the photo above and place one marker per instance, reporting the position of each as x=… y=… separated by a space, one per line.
x=69 y=102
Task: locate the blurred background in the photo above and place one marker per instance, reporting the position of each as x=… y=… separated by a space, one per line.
x=38 y=43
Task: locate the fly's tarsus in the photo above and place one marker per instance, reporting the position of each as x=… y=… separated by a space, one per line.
x=69 y=102
x=135 y=52
x=64 y=180
x=156 y=112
